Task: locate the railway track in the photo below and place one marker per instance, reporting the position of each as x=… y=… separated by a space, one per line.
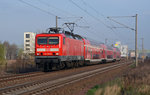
x=14 y=77
x=28 y=77
x=41 y=86
x=19 y=76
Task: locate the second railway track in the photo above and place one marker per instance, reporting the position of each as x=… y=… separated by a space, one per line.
x=20 y=76
x=41 y=86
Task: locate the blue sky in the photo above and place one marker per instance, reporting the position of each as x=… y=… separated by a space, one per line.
x=17 y=18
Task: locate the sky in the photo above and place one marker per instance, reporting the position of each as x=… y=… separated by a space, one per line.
x=19 y=16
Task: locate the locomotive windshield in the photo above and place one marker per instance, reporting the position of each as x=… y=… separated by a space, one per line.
x=53 y=40
x=42 y=40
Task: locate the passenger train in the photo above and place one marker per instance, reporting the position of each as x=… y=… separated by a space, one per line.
x=55 y=50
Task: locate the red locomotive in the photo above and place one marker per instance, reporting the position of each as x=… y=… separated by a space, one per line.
x=66 y=49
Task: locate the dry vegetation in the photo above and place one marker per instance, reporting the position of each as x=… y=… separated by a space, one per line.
x=133 y=82
x=17 y=66
x=21 y=66
x=136 y=81
x=13 y=60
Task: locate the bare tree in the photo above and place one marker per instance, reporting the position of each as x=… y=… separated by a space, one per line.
x=2 y=54
x=20 y=53
x=13 y=51
x=7 y=46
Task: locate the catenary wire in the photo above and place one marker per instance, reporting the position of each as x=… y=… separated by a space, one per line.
x=52 y=6
x=105 y=18
x=97 y=19
x=37 y=8
x=54 y=14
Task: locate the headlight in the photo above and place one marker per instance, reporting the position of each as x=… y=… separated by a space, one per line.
x=54 y=49
x=41 y=49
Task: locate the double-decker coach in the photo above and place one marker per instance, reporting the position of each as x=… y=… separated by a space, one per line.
x=55 y=50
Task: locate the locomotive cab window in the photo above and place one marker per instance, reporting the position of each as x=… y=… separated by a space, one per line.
x=42 y=40
x=53 y=40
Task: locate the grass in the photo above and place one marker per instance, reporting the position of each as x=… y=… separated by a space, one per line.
x=133 y=65
x=110 y=88
x=92 y=91
x=134 y=82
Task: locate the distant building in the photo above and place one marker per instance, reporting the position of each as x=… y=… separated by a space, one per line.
x=124 y=51
x=132 y=53
x=139 y=54
x=148 y=55
x=29 y=42
x=118 y=44
x=144 y=54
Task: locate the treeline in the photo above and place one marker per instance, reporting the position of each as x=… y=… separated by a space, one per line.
x=13 y=60
x=2 y=54
x=9 y=51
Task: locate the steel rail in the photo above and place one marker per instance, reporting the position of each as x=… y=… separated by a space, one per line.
x=41 y=86
x=19 y=76
x=42 y=90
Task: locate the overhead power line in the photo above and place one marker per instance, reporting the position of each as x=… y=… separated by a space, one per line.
x=92 y=31
x=93 y=8
x=136 y=42
x=121 y=16
x=47 y=12
x=105 y=18
x=125 y=26
x=97 y=19
x=52 y=6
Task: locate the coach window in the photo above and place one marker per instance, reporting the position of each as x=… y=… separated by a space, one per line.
x=64 y=40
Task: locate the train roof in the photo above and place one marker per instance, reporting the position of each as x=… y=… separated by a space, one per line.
x=78 y=37
x=67 y=34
